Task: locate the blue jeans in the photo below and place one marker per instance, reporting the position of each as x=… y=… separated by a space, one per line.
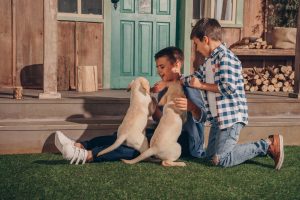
x=97 y=144
x=195 y=129
x=223 y=148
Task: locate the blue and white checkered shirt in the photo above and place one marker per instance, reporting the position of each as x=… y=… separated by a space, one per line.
x=231 y=101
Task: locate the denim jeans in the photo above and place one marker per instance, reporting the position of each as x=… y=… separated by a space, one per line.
x=97 y=144
x=224 y=150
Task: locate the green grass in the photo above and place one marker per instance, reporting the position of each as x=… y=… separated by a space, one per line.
x=47 y=176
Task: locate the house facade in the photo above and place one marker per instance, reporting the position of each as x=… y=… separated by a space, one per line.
x=120 y=38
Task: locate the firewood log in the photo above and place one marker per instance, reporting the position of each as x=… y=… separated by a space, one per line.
x=271 y=88
x=264 y=88
x=274 y=80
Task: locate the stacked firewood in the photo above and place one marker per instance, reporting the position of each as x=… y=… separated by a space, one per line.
x=251 y=43
x=269 y=79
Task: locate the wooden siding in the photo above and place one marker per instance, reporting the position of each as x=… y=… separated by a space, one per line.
x=89 y=45
x=29 y=43
x=66 y=56
x=21 y=31
x=6 y=71
x=79 y=44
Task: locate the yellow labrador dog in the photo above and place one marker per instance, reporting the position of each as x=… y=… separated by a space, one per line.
x=163 y=144
x=131 y=132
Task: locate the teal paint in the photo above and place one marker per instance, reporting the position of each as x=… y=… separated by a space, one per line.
x=136 y=36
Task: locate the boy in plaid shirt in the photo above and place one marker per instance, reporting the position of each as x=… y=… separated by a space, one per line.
x=220 y=79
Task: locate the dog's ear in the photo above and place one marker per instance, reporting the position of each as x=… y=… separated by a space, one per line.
x=146 y=86
x=129 y=86
x=163 y=100
x=152 y=106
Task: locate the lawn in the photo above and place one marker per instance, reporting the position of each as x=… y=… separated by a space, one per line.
x=47 y=176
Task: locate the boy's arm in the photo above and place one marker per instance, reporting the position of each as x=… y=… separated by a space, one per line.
x=196 y=83
x=229 y=74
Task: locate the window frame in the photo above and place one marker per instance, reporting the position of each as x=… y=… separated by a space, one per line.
x=63 y=16
x=236 y=22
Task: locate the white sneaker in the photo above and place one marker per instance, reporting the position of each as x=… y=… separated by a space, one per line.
x=70 y=152
x=61 y=140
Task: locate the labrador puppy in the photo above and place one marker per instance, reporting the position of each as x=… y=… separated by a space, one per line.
x=163 y=144
x=131 y=132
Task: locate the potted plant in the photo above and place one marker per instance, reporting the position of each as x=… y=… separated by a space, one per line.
x=283 y=19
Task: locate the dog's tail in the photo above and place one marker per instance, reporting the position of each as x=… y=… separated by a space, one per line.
x=146 y=154
x=119 y=141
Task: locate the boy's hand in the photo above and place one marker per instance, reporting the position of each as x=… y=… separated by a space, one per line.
x=157 y=87
x=184 y=104
x=195 y=83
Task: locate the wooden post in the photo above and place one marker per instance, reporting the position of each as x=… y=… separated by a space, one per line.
x=296 y=93
x=50 y=51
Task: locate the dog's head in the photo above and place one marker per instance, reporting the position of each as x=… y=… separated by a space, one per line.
x=141 y=83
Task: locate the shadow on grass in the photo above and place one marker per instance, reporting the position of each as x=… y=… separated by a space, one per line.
x=208 y=163
x=253 y=162
x=50 y=162
x=201 y=161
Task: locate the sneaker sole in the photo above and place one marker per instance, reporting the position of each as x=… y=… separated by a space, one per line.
x=281 y=157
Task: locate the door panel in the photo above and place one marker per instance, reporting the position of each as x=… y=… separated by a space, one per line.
x=140 y=28
x=145 y=48
x=127 y=48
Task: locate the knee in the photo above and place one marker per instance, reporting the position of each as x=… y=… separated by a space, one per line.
x=219 y=161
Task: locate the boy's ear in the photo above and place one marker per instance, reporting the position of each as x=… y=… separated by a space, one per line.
x=206 y=39
x=146 y=86
x=129 y=86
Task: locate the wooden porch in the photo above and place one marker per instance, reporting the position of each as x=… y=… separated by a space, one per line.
x=27 y=125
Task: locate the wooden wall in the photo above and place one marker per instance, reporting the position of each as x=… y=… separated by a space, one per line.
x=21 y=42
x=6 y=72
x=79 y=44
x=29 y=17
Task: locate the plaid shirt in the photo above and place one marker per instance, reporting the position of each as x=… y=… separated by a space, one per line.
x=231 y=101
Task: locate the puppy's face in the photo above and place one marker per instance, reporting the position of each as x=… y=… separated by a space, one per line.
x=141 y=83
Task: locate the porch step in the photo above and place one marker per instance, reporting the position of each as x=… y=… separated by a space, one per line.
x=35 y=136
x=91 y=107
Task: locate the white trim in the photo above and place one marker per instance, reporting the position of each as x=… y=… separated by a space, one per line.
x=107 y=6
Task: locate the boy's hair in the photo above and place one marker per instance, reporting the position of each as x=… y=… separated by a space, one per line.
x=172 y=53
x=207 y=27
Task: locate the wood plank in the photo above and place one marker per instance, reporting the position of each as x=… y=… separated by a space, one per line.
x=264 y=52
x=89 y=46
x=29 y=42
x=6 y=70
x=253 y=24
x=66 y=56
x=231 y=35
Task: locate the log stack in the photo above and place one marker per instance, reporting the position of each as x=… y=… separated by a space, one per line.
x=269 y=79
x=251 y=43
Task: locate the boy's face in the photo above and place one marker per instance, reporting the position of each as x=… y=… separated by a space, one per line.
x=202 y=46
x=166 y=70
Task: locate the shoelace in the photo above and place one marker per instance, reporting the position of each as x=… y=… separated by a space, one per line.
x=79 y=154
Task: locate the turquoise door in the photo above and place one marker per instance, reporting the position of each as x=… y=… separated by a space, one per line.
x=139 y=29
